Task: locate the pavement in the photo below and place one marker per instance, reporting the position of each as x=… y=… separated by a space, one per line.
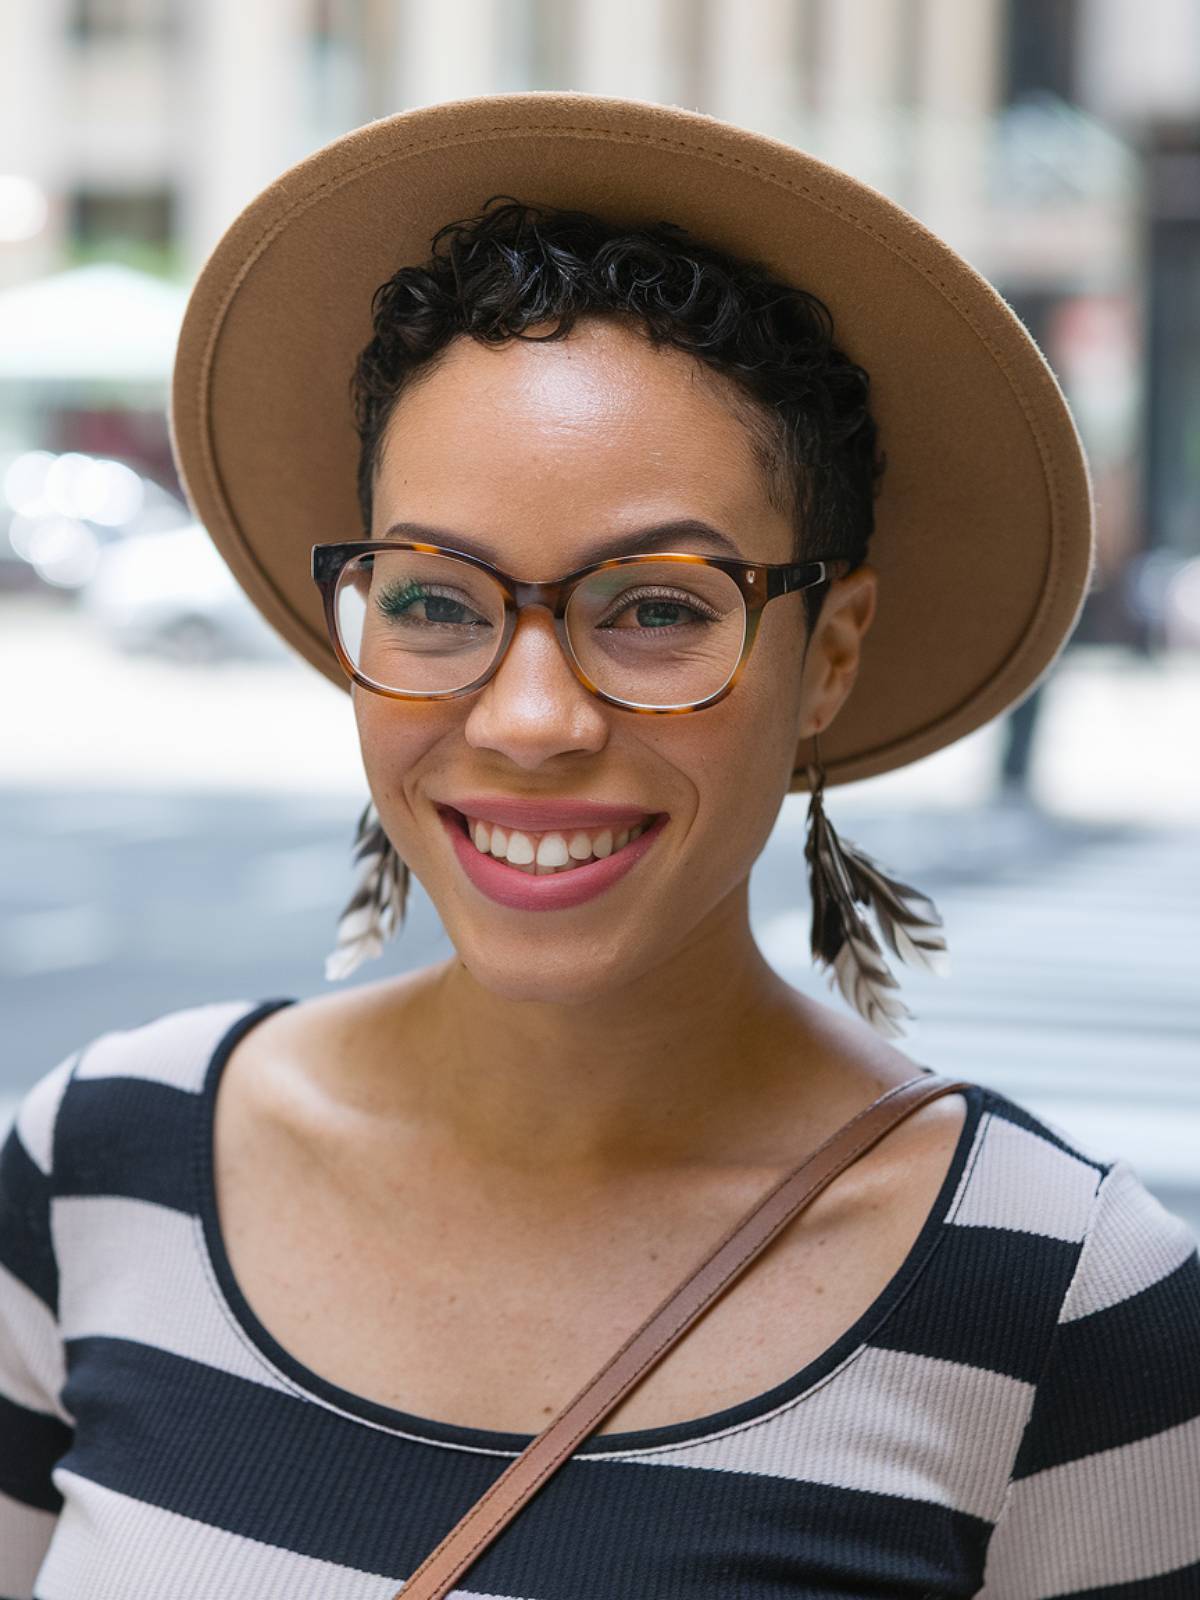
x=173 y=834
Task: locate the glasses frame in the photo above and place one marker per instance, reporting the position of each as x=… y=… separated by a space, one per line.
x=758 y=583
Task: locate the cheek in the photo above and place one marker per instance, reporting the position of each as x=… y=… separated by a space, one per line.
x=769 y=696
x=740 y=754
x=395 y=738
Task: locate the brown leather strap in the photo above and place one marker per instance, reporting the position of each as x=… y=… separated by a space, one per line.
x=521 y=1479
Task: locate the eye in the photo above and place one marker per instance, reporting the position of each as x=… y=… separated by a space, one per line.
x=399 y=602
x=662 y=606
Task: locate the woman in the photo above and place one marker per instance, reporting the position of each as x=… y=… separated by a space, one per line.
x=288 y=1283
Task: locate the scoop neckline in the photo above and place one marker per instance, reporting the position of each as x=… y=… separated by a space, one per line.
x=491 y=1440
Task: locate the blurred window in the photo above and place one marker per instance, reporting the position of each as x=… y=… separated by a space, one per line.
x=1041 y=48
x=122 y=19
x=1173 y=420
x=349 y=54
x=805 y=40
x=99 y=219
x=534 y=44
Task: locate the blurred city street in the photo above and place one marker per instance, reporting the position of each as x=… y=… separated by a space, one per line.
x=176 y=834
x=801 y=286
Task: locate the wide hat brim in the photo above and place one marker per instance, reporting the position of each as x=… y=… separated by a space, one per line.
x=983 y=541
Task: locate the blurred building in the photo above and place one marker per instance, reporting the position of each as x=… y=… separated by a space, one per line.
x=1055 y=143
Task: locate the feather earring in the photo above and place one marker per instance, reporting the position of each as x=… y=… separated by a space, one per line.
x=376 y=908
x=841 y=877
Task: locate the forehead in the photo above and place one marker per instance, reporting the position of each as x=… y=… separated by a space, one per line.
x=600 y=425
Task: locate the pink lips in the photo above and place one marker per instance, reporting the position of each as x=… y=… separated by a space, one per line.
x=558 y=891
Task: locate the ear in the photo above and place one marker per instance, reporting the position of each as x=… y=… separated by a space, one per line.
x=834 y=649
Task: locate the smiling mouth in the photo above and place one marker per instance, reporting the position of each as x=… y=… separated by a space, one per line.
x=548 y=853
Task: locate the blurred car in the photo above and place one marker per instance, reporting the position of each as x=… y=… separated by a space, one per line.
x=58 y=510
x=171 y=595
x=17 y=573
x=1163 y=592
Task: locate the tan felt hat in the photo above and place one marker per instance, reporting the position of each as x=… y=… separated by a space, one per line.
x=984 y=531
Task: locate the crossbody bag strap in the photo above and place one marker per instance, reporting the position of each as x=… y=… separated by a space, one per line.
x=644 y=1348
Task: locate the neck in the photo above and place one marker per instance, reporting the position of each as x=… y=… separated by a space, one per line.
x=707 y=1046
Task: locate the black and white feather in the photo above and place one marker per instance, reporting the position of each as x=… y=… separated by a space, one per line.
x=375 y=910
x=841 y=878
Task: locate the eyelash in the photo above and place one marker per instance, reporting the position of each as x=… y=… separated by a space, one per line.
x=392 y=602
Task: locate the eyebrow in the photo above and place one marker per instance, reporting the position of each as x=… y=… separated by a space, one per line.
x=656 y=537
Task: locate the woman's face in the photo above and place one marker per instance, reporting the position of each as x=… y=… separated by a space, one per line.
x=536 y=454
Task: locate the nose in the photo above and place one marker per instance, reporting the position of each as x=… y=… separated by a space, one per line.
x=534 y=707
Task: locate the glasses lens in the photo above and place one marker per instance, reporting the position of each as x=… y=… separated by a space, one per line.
x=649 y=633
x=658 y=633
x=418 y=622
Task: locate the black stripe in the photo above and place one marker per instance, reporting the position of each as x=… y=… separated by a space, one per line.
x=33 y=1442
x=205 y=1444
x=1119 y=1375
x=1005 y=1287
x=128 y=1137
x=25 y=1240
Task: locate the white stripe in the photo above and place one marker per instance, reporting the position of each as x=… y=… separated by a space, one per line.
x=173 y=1049
x=31 y=1356
x=25 y=1534
x=1118 y=1516
x=1021 y=1181
x=112 y=1547
x=37 y=1111
x=1134 y=1242
x=892 y=1423
x=131 y=1269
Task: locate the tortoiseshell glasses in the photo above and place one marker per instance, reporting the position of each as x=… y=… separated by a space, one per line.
x=652 y=633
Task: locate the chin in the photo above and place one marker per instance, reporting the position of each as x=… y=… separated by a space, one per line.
x=561 y=973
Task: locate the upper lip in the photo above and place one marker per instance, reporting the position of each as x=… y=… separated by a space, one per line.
x=541 y=816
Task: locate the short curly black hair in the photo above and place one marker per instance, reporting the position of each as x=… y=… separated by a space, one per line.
x=518 y=266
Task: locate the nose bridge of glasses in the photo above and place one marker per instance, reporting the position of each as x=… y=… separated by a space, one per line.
x=551 y=594
x=541 y=663
x=532 y=599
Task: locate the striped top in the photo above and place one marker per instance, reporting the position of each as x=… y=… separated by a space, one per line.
x=1017 y=1415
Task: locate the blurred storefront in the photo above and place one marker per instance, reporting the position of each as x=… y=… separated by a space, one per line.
x=1053 y=142
x=1172 y=502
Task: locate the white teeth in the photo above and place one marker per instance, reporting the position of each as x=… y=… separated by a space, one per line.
x=520 y=848
x=552 y=851
x=549 y=852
